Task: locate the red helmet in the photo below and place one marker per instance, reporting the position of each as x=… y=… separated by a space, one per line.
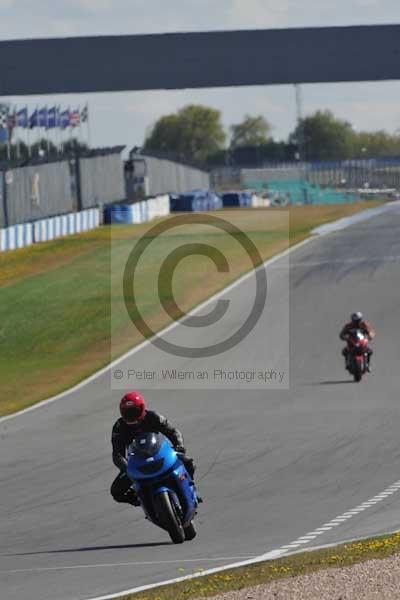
x=132 y=408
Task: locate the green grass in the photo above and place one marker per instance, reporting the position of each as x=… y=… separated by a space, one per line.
x=265 y=572
x=61 y=311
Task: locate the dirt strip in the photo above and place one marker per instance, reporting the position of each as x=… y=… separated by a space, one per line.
x=373 y=579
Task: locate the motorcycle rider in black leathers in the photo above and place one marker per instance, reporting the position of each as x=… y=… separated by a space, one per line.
x=136 y=419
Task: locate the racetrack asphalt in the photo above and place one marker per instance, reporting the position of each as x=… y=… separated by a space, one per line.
x=273 y=464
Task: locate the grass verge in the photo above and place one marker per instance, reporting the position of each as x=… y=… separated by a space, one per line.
x=57 y=298
x=265 y=572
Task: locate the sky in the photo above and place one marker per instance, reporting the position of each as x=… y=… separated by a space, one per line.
x=125 y=117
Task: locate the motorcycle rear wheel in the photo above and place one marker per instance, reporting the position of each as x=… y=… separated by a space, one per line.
x=169 y=518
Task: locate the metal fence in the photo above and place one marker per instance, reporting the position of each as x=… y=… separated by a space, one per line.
x=275 y=173
x=42 y=190
x=152 y=176
x=101 y=180
x=362 y=177
x=31 y=193
x=377 y=173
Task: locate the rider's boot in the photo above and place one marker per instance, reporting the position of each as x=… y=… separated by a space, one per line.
x=346 y=359
x=131 y=497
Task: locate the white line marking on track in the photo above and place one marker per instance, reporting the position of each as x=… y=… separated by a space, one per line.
x=340 y=519
x=343 y=223
x=128 y=564
x=342 y=261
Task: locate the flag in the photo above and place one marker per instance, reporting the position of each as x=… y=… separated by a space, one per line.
x=42 y=117
x=3 y=124
x=52 y=118
x=33 y=120
x=75 y=118
x=3 y=118
x=22 y=119
x=85 y=114
x=64 y=120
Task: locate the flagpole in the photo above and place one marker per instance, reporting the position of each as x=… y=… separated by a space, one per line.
x=16 y=129
x=65 y=130
x=88 y=125
x=81 y=129
x=80 y=141
x=28 y=132
x=8 y=135
x=70 y=131
x=47 y=130
x=57 y=123
x=39 y=142
x=62 y=130
x=8 y=145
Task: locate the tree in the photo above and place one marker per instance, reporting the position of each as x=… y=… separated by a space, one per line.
x=73 y=146
x=193 y=133
x=15 y=152
x=324 y=137
x=41 y=149
x=376 y=143
x=252 y=131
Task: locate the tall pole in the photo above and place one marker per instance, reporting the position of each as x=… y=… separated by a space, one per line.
x=39 y=140
x=57 y=132
x=18 y=141
x=299 y=116
x=8 y=129
x=28 y=137
x=89 y=136
x=70 y=131
x=47 y=130
x=79 y=134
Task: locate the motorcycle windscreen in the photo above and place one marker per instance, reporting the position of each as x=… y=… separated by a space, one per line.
x=147 y=444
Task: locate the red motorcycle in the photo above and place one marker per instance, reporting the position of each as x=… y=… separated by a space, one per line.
x=357 y=348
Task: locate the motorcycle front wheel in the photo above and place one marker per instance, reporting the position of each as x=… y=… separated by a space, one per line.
x=169 y=518
x=357 y=371
x=190 y=532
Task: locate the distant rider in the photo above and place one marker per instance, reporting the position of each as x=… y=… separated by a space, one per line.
x=357 y=322
x=135 y=420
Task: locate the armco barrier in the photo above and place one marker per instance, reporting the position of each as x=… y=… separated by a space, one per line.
x=44 y=230
x=55 y=227
x=16 y=236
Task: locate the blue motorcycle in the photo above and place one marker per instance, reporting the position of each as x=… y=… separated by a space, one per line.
x=166 y=491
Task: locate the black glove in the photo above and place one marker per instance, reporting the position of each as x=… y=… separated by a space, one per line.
x=180 y=449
